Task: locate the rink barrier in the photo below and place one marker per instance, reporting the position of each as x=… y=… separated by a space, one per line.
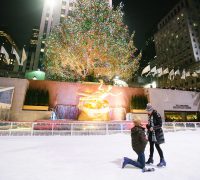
x=81 y=128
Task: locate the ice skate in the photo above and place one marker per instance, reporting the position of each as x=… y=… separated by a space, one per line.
x=148 y=169
x=124 y=162
x=162 y=163
x=150 y=161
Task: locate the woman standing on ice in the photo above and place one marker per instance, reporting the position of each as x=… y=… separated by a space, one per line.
x=155 y=135
x=139 y=142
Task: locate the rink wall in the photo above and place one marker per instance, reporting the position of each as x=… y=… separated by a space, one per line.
x=65 y=93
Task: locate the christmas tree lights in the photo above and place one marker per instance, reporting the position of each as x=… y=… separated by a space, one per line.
x=91 y=40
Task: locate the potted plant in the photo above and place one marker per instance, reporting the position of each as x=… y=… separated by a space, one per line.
x=36 y=99
x=138 y=103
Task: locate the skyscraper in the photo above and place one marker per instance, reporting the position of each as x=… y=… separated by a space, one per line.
x=177 y=40
x=53 y=13
x=7 y=43
x=29 y=63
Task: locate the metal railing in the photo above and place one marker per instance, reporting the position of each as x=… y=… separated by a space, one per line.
x=4 y=114
x=80 y=128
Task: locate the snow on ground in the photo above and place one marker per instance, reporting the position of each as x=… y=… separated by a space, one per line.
x=95 y=158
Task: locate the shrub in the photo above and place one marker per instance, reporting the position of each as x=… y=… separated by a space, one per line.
x=37 y=97
x=139 y=102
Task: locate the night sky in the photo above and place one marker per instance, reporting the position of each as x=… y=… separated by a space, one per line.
x=20 y=16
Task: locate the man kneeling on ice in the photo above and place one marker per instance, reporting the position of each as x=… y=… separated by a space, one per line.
x=139 y=142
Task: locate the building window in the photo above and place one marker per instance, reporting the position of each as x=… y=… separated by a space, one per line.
x=62 y=11
x=64 y=3
x=195 y=24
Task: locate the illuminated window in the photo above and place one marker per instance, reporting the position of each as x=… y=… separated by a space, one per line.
x=195 y=24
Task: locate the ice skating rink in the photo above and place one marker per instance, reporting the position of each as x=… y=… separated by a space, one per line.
x=95 y=157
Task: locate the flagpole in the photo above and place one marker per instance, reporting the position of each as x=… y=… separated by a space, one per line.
x=158 y=81
x=21 y=65
x=1 y=46
x=163 y=81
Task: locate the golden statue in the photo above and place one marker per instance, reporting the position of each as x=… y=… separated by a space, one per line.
x=94 y=106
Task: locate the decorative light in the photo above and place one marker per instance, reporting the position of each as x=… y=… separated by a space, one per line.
x=119 y=82
x=94 y=41
x=34 y=78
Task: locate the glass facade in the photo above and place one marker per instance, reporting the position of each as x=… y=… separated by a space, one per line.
x=182 y=116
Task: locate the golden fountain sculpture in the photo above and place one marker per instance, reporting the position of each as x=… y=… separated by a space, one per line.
x=94 y=106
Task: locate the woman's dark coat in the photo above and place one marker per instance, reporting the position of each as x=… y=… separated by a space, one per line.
x=157 y=121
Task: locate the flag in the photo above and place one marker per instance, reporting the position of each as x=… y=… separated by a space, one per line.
x=148 y=74
x=166 y=71
x=198 y=71
x=160 y=72
x=187 y=74
x=171 y=74
x=154 y=74
x=3 y=50
x=177 y=72
x=146 y=70
x=183 y=74
x=16 y=55
x=194 y=74
x=153 y=70
x=24 y=57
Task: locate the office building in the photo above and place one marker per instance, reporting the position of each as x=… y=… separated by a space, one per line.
x=7 y=64
x=177 y=43
x=29 y=63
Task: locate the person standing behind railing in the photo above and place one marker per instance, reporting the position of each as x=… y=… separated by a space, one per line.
x=53 y=114
x=155 y=134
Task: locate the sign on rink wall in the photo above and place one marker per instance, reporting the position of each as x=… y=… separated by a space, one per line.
x=174 y=100
x=6 y=96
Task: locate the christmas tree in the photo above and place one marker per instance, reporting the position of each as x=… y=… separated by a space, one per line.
x=91 y=41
